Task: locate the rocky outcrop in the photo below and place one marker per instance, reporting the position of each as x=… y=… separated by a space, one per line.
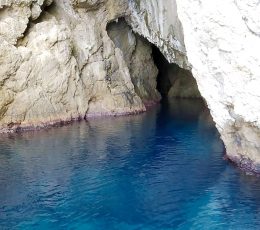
x=158 y=22
x=222 y=39
x=137 y=53
x=59 y=63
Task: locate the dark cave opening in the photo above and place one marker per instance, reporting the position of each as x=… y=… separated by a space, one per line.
x=172 y=80
x=154 y=78
x=163 y=82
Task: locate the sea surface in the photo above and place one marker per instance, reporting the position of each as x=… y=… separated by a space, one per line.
x=164 y=169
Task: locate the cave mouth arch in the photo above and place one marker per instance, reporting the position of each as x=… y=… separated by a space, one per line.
x=172 y=80
x=154 y=78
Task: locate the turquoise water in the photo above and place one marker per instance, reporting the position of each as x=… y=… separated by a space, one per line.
x=160 y=170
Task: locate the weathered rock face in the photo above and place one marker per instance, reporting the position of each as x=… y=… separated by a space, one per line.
x=58 y=62
x=158 y=22
x=222 y=39
x=137 y=53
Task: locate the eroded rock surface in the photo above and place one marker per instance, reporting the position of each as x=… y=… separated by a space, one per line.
x=137 y=53
x=158 y=22
x=58 y=63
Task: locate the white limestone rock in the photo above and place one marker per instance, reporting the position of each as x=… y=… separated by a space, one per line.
x=158 y=22
x=15 y=14
x=223 y=42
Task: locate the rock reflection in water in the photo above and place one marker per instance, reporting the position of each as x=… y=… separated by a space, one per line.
x=162 y=169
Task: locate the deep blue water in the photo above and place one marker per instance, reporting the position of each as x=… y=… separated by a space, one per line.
x=160 y=170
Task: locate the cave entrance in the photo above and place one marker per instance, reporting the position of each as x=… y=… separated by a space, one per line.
x=173 y=81
x=154 y=78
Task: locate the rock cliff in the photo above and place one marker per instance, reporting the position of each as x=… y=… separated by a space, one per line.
x=222 y=40
x=58 y=63
x=69 y=59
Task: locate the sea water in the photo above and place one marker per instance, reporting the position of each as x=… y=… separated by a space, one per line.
x=164 y=169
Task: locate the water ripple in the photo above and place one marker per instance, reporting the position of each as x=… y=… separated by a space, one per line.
x=159 y=170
